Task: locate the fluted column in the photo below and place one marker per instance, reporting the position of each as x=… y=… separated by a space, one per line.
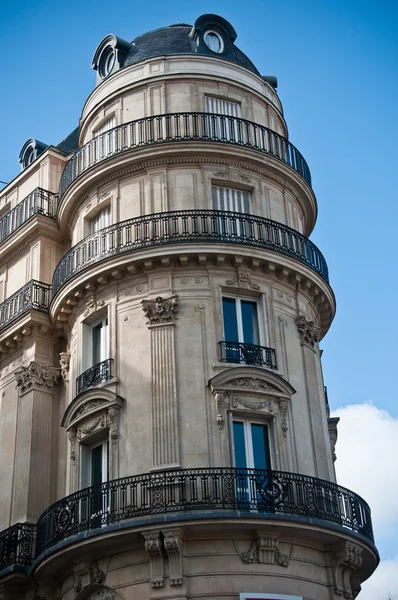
x=32 y=473
x=161 y=314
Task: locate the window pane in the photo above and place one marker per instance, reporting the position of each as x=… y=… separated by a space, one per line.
x=97 y=334
x=260 y=446
x=249 y=322
x=230 y=320
x=239 y=443
x=96 y=465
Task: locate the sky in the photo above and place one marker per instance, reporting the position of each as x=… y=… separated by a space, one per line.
x=337 y=66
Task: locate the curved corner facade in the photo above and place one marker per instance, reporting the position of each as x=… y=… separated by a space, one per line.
x=164 y=426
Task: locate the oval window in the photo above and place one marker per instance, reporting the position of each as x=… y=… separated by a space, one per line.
x=107 y=61
x=214 y=41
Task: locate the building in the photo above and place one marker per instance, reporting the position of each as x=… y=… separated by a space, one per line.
x=164 y=425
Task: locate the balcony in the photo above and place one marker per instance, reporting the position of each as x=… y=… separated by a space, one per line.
x=204 y=493
x=35 y=295
x=183 y=127
x=247 y=354
x=39 y=202
x=198 y=226
x=94 y=375
x=17 y=546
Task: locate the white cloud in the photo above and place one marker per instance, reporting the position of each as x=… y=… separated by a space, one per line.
x=382 y=583
x=367 y=462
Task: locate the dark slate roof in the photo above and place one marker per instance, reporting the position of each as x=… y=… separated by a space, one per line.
x=174 y=39
x=70 y=143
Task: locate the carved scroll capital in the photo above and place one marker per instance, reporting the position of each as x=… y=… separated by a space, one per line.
x=220 y=408
x=265 y=550
x=332 y=428
x=173 y=545
x=243 y=280
x=161 y=310
x=307 y=330
x=36 y=376
x=345 y=559
x=154 y=549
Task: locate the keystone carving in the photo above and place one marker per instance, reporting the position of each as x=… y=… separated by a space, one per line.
x=87 y=573
x=64 y=364
x=36 y=375
x=173 y=545
x=307 y=330
x=345 y=559
x=161 y=310
x=265 y=550
x=153 y=547
x=92 y=305
x=243 y=280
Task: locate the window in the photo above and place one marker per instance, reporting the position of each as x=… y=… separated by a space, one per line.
x=106 y=61
x=99 y=343
x=240 y=320
x=94 y=468
x=105 y=139
x=222 y=127
x=225 y=198
x=96 y=365
x=101 y=220
x=214 y=41
x=251 y=445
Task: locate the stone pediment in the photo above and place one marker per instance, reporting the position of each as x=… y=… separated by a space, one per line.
x=89 y=404
x=251 y=380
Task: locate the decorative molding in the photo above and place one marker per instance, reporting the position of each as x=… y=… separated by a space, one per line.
x=333 y=434
x=173 y=546
x=153 y=547
x=72 y=440
x=98 y=576
x=220 y=404
x=243 y=280
x=232 y=176
x=283 y=407
x=265 y=550
x=112 y=420
x=87 y=406
x=307 y=330
x=87 y=573
x=64 y=364
x=36 y=375
x=345 y=558
x=252 y=383
x=87 y=429
x=92 y=305
x=252 y=404
x=161 y=310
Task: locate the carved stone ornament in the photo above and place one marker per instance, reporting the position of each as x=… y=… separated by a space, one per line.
x=252 y=404
x=307 y=330
x=72 y=440
x=252 y=383
x=345 y=559
x=36 y=375
x=112 y=422
x=332 y=427
x=265 y=550
x=173 y=546
x=283 y=407
x=87 y=407
x=92 y=305
x=219 y=396
x=161 y=310
x=87 y=573
x=90 y=427
x=243 y=280
x=154 y=549
x=64 y=364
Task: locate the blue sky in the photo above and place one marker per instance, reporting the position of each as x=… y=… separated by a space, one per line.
x=337 y=65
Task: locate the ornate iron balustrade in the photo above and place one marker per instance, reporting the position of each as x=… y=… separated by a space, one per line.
x=249 y=354
x=35 y=295
x=188 y=226
x=210 y=489
x=17 y=545
x=39 y=202
x=94 y=375
x=183 y=127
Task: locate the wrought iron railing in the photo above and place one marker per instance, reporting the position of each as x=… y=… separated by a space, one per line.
x=183 y=127
x=188 y=226
x=211 y=489
x=35 y=295
x=38 y=202
x=249 y=354
x=94 y=375
x=17 y=545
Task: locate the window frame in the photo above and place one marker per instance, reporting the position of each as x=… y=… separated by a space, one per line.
x=247 y=432
x=87 y=355
x=262 y=321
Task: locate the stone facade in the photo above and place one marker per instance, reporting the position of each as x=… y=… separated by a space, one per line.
x=128 y=373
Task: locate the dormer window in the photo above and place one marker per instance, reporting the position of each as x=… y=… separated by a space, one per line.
x=214 y=41
x=106 y=62
x=109 y=56
x=30 y=151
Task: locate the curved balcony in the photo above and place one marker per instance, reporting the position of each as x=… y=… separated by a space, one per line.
x=201 y=493
x=17 y=546
x=183 y=127
x=199 y=226
x=35 y=295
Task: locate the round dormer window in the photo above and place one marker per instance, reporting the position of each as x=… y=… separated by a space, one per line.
x=28 y=158
x=214 y=41
x=107 y=61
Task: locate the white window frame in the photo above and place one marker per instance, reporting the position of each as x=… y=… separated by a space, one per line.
x=105 y=144
x=221 y=106
x=262 y=321
x=86 y=462
x=247 y=422
x=231 y=199
x=88 y=343
x=101 y=220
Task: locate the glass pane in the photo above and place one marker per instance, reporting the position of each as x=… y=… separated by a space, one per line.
x=249 y=322
x=239 y=444
x=97 y=332
x=230 y=320
x=96 y=465
x=260 y=446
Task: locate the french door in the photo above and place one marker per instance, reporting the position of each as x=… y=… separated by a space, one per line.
x=251 y=451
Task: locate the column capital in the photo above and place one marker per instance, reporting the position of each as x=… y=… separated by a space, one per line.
x=36 y=376
x=161 y=311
